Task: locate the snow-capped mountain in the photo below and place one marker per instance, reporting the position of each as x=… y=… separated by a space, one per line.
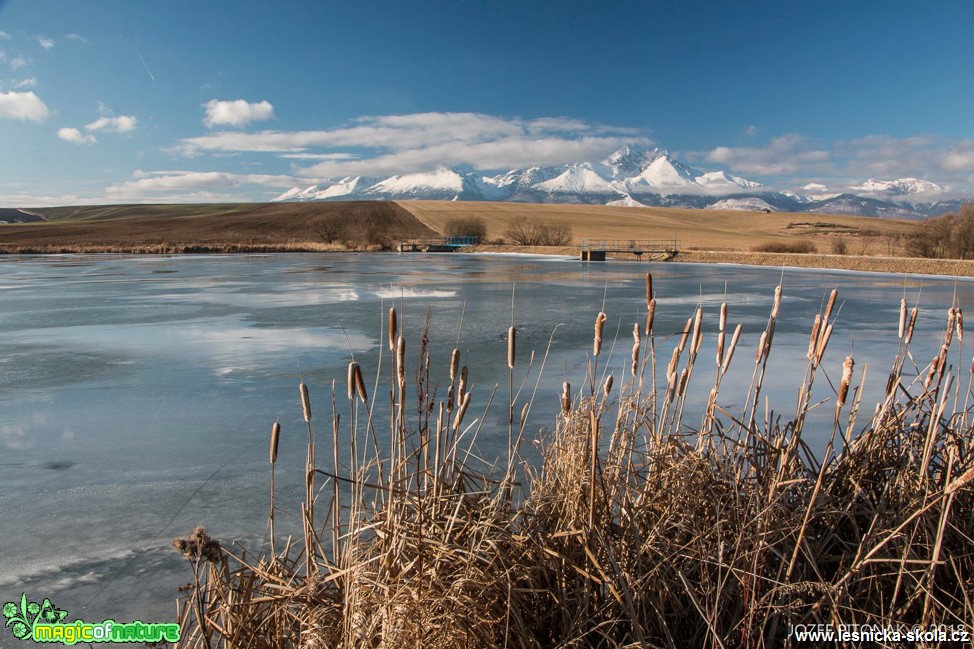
x=899 y=187
x=629 y=177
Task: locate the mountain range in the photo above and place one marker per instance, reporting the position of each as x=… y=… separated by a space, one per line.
x=634 y=178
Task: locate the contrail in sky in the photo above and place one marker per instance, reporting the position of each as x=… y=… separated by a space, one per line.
x=146 y=66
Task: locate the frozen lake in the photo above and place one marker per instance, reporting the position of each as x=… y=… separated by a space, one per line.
x=137 y=393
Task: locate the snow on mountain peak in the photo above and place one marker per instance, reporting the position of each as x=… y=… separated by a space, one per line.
x=899 y=187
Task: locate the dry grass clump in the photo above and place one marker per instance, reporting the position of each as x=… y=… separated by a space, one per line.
x=801 y=247
x=636 y=528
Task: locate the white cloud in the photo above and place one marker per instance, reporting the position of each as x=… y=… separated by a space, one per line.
x=75 y=136
x=236 y=113
x=163 y=183
x=77 y=37
x=46 y=43
x=785 y=155
x=113 y=124
x=425 y=141
x=18 y=62
x=4 y=36
x=29 y=82
x=22 y=105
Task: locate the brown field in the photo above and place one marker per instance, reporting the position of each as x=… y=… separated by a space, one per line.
x=219 y=228
x=720 y=230
x=872 y=244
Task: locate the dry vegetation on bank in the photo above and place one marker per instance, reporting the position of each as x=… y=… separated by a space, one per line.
x=643 y=526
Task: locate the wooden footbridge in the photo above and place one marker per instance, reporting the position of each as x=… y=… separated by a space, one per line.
x=596 y=249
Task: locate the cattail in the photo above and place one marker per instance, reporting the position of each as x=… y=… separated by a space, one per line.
x=720 y=348
x=933 y=372
x=686 y=332
x=607 y=388
x=673 y=360
x=449 y=398
x=351 y=380
x=360 y=384
x=733 y=346
x=401 y=359
x=650 y=314
x=275 y=438
x=823 y=343
x=682 y=387
x=393 y=328
x=670 y=386
x=566 y=398
x=723 y=317
x=910 y=326
x=960 y=324
x=831 y=303
x=902 y=317
x=462 y=388
x=777 y=301
x=305 y=402
x=649 y=288
x=844 y=383
x=761 y=343
x=454 y=364
x=951 y=321
x=599 y=325
x=512 y=346
x=461 y=411
x=697 y=331
x=813 y=339
x=635 y=349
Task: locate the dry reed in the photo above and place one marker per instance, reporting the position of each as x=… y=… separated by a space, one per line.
x=633 y=530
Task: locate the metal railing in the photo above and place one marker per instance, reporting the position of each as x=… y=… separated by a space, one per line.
x=630 y=245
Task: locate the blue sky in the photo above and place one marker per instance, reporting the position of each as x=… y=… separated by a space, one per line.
x=123 y=101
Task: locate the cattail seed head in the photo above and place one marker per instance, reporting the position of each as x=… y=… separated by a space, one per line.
x=649 y=288
x=305 y=402
x=275 y=438
x=511 y=346
x=650 y=314
x=720 y=348
x=777 y=301
x=697 y=331
x=686 y=332
x=401 y=359
x=723 y=317
x=566 y=398
x=599 y=326
x=813 y=339
x=607 y=387
x=951 y=323
x=673 y=360
x=360 y=384
x=823 y=342
x=902 y=317
x=461 y=411
x=454 y=364
x=731 y=348
x=635 y=350
x=462 y=388
x=831 y=303
x=910 y=326
x=350 y=383
x=960 y=324
x=847 y=367
x=761 y=343
x=393 y=328
x=682 y=387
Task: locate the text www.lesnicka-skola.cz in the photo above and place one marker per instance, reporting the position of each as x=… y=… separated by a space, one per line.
x=875 y=633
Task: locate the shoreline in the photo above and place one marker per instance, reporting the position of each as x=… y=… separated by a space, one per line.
x=892 y=265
